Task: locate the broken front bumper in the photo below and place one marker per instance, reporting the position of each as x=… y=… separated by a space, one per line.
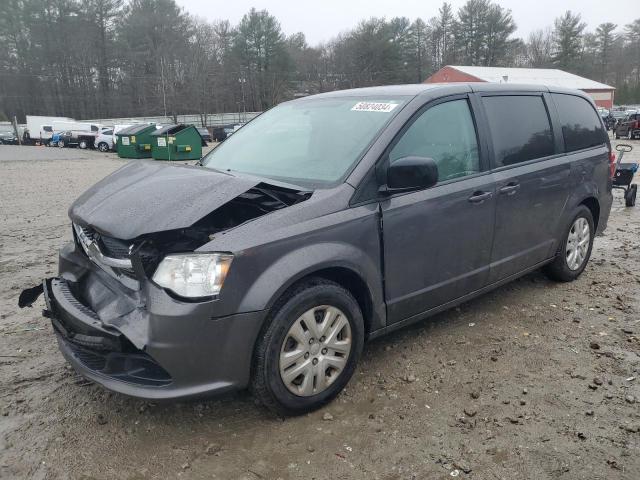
x=146 y=343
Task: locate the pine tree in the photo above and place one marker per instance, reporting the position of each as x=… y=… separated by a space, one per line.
x=567 y=40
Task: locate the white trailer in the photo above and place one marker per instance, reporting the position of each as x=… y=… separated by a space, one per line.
x=42 y=128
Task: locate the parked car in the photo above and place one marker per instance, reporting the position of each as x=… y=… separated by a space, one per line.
x=618 y=114
x=104 y=140
x=231 y=129
x=609 y=122
x=218 y=134
x=204 y=133
x=326 y=221
x=8 y=137
x=76 y=138
x=629 y=127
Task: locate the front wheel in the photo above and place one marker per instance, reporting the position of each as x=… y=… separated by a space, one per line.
x=103 y=147
x=575 y=249
x=309 y=350
x=630 y=135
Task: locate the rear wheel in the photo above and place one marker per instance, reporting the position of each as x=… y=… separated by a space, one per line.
x=630 y=134
x=83 y=144
x=574 y=251
x=309 y=350
x=61 y=143
x=630 y=196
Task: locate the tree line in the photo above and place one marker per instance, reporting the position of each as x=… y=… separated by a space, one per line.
x=116 y=58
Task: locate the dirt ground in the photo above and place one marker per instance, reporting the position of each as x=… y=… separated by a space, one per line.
x=536 y=380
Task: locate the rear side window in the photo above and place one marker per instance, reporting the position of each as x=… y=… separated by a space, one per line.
x=108 y=132
x=581 y=126
x=520 y=128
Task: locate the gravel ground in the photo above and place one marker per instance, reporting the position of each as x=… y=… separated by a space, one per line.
x=535 y=380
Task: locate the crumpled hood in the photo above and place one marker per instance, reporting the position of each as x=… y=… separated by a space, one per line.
x=146 y=197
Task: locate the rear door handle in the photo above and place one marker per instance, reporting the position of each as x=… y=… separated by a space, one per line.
x=509 y=189
x=479 y=197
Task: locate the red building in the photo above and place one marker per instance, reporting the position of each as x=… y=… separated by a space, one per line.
x=602 y=94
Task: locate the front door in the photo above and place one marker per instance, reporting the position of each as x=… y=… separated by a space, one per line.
x=437 y=242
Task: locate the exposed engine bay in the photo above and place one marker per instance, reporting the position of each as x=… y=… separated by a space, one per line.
x=141 y=255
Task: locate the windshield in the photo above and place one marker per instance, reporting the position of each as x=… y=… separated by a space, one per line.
x=309 y=142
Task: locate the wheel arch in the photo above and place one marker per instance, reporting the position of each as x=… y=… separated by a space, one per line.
x=345 y=276
x=348 y=279
x=343 y=264
x=593 y=205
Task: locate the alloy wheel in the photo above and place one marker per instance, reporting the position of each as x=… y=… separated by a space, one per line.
x=578 y=243
x=315 y=350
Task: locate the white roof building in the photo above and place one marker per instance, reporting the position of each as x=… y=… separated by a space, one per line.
x=600 y=92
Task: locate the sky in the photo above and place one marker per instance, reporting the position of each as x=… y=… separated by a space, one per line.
x=322 y=20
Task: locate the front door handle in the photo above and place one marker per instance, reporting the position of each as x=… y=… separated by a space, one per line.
x=509 y=189
x=479 y=197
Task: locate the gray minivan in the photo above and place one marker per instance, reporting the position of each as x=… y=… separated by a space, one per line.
x=324 y=222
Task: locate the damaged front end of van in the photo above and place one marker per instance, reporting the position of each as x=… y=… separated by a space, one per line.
x=135 y=306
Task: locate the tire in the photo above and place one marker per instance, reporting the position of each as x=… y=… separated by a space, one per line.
x=559 y=269
x=630 y=135
x=61 y=143
x=267 y=382
x=83 y=144
x=630 y=196
x=103 y=146
x=616 y=136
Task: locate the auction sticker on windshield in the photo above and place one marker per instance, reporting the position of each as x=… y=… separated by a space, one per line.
x=374 y=107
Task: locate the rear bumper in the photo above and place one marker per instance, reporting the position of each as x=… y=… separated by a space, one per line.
x=146 y=344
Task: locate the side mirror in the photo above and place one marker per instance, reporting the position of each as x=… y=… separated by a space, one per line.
x=411 y=173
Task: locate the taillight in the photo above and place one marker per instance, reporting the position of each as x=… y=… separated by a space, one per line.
x=612 y=163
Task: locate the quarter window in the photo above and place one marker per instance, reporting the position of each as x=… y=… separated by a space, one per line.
x=520 y=128
x=581 y=125
x=446 y=134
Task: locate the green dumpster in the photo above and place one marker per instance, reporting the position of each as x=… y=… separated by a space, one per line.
x=135 y=141
x=176 y=142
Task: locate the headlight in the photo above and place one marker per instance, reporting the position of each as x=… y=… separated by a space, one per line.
x=193 y=274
